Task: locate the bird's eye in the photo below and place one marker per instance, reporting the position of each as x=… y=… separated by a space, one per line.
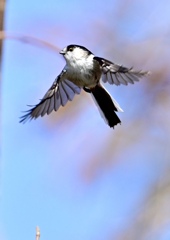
x=71 y=49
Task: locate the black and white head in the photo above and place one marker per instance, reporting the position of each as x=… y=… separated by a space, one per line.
x=75 y=52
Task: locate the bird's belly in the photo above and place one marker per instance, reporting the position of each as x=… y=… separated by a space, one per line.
x=84 y=80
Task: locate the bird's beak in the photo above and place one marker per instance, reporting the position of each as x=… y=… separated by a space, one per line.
x=63 y=51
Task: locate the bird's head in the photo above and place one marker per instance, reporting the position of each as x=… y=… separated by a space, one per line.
x=75 y=52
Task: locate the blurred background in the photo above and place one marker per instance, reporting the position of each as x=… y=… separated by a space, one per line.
x=68 y=172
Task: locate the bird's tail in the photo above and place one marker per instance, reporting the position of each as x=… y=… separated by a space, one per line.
x=107 y=106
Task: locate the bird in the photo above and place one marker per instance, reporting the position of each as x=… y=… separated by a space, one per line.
x=84 y=70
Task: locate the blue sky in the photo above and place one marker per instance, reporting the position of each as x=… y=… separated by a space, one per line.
x=48 y=176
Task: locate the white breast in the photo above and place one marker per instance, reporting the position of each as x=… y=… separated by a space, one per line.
x=81 y=72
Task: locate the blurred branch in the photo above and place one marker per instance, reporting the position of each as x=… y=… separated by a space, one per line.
x=37 y=233
x=153 y=217
x=2 y=9
x=28 y=40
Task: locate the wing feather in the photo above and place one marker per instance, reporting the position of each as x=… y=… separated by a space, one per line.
x=57 y=102
x=117 y=74
x=59 y=94
x=44 y=107
x=69 y=91
x=51 y=105
x=63 y=96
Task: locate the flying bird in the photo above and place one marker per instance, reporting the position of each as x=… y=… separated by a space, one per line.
x=84 y=70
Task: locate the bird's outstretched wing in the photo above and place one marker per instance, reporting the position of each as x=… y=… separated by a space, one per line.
x=117 y=74
x=59 y=94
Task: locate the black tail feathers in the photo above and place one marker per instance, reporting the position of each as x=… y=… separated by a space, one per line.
x=106 y=104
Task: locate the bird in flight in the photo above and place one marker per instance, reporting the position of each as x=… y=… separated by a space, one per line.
x=84 y=70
